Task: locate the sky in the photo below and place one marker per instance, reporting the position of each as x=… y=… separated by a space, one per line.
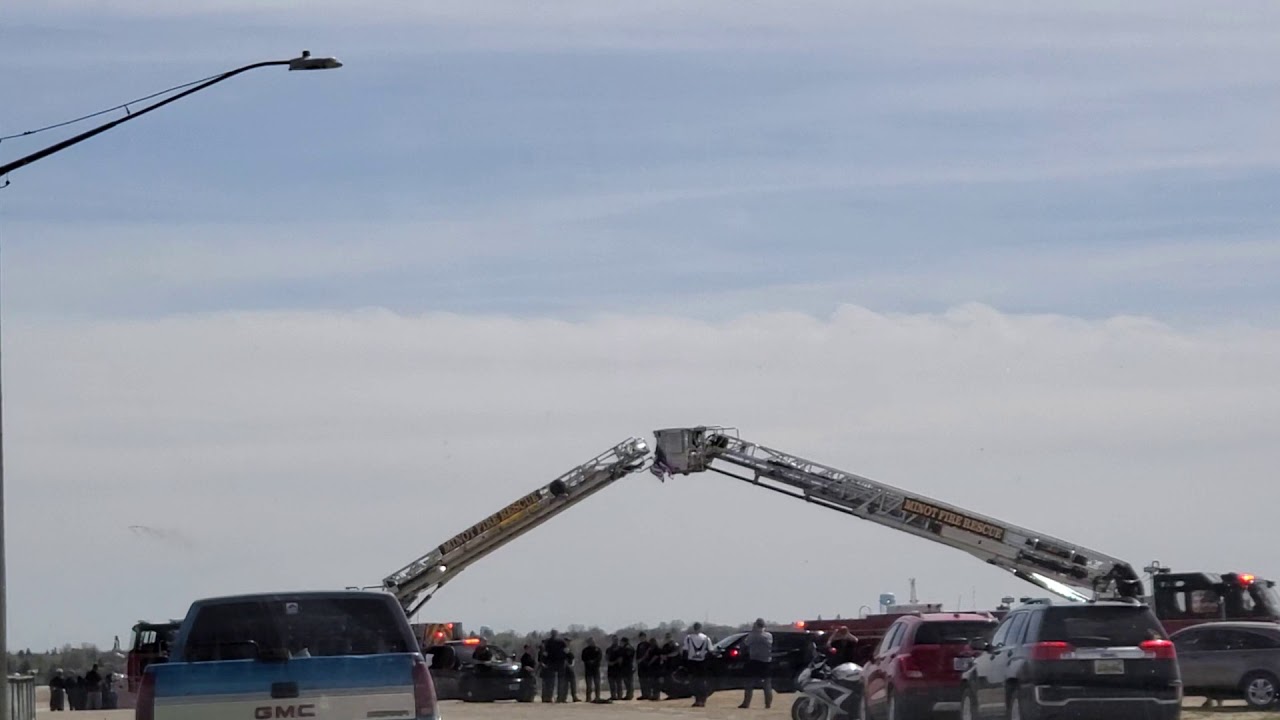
x=296 y=330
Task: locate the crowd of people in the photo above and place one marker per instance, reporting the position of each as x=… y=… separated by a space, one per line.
x=643 y=670
x=91 y=691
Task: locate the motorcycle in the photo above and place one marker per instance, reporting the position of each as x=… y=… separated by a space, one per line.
x=828 y=693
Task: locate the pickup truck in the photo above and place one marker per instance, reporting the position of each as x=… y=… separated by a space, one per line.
x=324 y=655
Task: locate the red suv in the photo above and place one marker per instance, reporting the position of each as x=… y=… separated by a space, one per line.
x=916 y=668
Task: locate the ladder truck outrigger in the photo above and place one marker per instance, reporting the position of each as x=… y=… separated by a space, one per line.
x=416 y=583
x=1072 y=571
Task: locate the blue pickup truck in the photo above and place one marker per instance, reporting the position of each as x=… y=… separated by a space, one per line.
x=323 y=655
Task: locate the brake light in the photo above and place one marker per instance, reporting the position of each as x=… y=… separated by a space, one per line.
x=424 y=691
x=1050 y=650
x=907 y=664
x=733 y=653
x=471 y=641
x=799 y=624
x=1159 y=649
x=146 y=700
x=1246 y=579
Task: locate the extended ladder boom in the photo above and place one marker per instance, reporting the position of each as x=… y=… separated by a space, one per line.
x=1050 y=563
x=414 y=584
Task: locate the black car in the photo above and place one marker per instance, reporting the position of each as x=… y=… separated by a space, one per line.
x=726 y=669
x=458 y=676
x=1052 y=661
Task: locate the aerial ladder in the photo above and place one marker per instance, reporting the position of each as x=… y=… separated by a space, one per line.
x=1053 y=564
x=416 y=583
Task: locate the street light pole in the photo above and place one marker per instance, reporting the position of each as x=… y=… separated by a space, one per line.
x=303 y=62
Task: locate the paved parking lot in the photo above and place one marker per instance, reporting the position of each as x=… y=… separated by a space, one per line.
x=721 y=707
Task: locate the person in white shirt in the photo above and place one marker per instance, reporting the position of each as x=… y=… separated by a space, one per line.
x=697 y=648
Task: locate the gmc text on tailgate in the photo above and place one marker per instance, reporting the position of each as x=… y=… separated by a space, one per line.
x=323 y=655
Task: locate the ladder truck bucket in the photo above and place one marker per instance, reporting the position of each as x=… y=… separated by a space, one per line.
x=681 y=450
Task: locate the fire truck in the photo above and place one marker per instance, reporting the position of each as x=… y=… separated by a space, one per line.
x=150 y=641
x=416 y=583
x=419 y=581
x=1062 y=568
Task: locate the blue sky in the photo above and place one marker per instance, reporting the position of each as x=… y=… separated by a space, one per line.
x=704 y=163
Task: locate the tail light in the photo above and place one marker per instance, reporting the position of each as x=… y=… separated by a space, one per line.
x=1159 y=649
x=733 y=653
x=1050 y=650
x=424 y=691
x=907 y=664
x=146 y=700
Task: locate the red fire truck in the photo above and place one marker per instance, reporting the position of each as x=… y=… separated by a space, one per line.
x=1072 y=571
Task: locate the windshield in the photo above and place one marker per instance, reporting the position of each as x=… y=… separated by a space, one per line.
x=953 y=633
x=725 y=643
x=1101 y=626
x=308 y=627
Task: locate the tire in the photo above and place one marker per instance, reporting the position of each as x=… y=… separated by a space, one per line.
x=1260 y=690
x=893 y=707
x=969 y=706
x=1014 y=705
x=806 y=708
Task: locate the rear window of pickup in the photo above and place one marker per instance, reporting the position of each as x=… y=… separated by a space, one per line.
x=284 y=627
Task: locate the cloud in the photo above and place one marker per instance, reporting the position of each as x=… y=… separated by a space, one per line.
x=315 y=449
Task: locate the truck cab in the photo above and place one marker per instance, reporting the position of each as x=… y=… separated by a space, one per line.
x=1184 y=599
x=151 y=641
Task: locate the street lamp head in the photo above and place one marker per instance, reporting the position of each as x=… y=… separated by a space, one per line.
x=306 y=62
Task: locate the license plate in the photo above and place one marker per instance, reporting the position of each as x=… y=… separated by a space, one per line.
x=961 y=664
x=1108 y=667
x=513 y=686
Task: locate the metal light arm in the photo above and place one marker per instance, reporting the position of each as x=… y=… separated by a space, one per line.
x=305 y=62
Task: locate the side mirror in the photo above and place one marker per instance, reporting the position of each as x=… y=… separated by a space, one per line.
x=979 y=645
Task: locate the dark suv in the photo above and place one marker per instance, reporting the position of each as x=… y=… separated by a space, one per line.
x=726 y=669
x=1056 y=661
x=916 y=668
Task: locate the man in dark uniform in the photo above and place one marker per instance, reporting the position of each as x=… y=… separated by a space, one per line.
x=591 y=657
x=643 y=648
x=554 y=653
x=613 y=656
x=669 y=661
x=628 y=669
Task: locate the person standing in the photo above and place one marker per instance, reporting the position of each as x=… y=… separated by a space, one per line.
x=643 y=648
x=93 y=688
x=759 y=647
x=628 y=669
x=591 y=656
x=842 y=647
x=57 y=691
x=554 y=651
x=570 y=674
x=613 y=656
x=669 y=661
x=651 y=666
x=696 y=649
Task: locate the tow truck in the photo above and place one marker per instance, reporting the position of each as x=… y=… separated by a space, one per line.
x=1071 y=571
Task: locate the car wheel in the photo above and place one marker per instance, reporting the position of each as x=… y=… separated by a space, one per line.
x=1260 y=689
x=1014 y=704
x=968 y=706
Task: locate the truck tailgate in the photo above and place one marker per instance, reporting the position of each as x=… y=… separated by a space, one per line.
x=345 y=687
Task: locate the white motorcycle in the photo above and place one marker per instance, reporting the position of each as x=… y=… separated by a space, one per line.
x=828 y=693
